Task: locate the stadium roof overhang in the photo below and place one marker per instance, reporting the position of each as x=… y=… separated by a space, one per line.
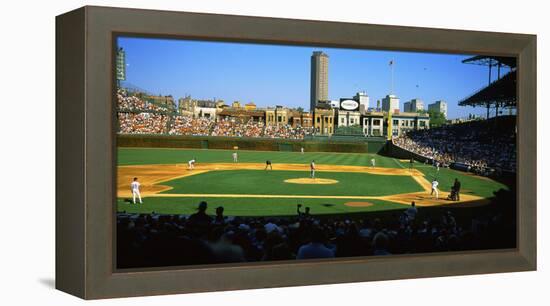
x=493 y=61
x=501 y=92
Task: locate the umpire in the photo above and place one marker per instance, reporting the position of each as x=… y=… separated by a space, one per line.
x=456 y=189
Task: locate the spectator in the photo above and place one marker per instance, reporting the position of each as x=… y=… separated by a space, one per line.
x=200 y=221
x=302 y=215
x=380 y=244
x=220 y=219
x=412 y=211
x=316 y=248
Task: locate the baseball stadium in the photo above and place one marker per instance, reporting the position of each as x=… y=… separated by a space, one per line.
x=203 y=182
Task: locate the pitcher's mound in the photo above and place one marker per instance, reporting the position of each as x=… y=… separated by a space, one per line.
x=307 y=180
x=358 y=204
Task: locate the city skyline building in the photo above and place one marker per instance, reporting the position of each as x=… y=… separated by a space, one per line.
x=364 y=101
x=319 y=78
x=413 y=106
x=390 y=103
x=439 y=106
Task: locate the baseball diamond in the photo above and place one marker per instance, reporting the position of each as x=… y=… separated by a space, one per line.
x=342 y=181
x=223 y=179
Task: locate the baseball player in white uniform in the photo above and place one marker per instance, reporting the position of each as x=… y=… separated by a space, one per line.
x=373 y=162
x=235 y=157
x=302 y=150
x=191 y=164
x=435 y=183
x=134 y=186
x=312 y=168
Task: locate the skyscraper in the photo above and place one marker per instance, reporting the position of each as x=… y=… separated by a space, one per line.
x=364 y=101
x=439 y=106
x=413 y=106
x=390 y=103
x=319 y=78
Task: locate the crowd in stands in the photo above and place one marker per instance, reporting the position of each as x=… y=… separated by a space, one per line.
x=483 y=146
x=147 y=240
x=132 y=103
x=287 y=131
x=238 y=128
x=142 y=123
x=136 y=116
x=185 y=125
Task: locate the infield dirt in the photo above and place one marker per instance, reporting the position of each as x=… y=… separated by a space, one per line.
x=311 y=181
x=358 y=204
x=152 y=177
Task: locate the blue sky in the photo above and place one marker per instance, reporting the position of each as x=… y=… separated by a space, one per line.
x=280 y=75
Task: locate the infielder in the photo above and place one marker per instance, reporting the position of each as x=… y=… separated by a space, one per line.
x=191 y=164
x=373 y=162
x=134 y=186
x=435 y=183
x=268 y=164
x=235 y=157
x=312 y=168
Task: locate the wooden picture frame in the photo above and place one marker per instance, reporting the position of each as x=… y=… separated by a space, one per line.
x=85 y=153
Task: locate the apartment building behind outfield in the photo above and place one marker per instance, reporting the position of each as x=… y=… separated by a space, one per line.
x=326 y=118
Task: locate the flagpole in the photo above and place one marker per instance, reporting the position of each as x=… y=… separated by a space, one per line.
x=391 y=67
x=390 y=110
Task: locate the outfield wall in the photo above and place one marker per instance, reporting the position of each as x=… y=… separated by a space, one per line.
x=365 y=145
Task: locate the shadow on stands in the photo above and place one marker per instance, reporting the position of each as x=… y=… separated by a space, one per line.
x=150 y=240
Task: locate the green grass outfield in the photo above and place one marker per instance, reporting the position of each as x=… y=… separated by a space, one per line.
x=260 y=182
x=272 y=183
x=252 y=207
x=144 y=156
